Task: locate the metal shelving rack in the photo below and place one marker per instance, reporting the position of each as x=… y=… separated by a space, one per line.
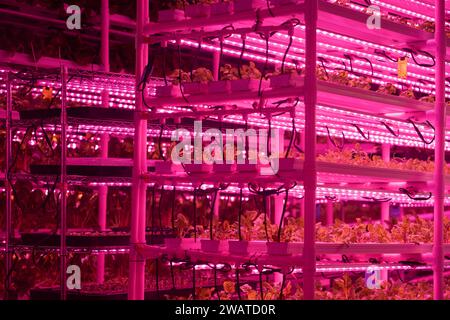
x=139 y=181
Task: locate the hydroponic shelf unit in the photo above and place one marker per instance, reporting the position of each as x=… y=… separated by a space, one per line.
x=347 y=99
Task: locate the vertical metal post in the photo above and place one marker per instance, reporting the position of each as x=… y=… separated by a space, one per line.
x=103 y=190
x=309 y=170
x=439 y=151
x=137 y=263
x=8 y=223
x=63 y=207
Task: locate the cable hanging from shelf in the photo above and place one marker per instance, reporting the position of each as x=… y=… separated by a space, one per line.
x=240 y=214
x=419 y=133
x=291 y=140
x=241 y=56
x=291 y=24
x=340 y=147
x=283 y=281
x=413 y=56
x=384 y=54
x=366 y=137
x=411 y=193
x=161 y=197
x=238 y=287
x=153 y=192
x=265 y=36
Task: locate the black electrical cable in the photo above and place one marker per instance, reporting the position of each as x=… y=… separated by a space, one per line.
x=391 y=130
x=341 y=147
x=269 y=9
x=291 y=140
x=322 y=62
x=161 y=155
x=221 y=51
x=413 y=55
x=286 y=53
x=247 y=147
x=153 y=211
x=269 y=138
x=179 y=74
x=265 y=217
x=159 y=207
x=211 y=215
x=238 y=289
x=195 y=214
x=384 y=54
x=366 y=137
x=377 y=199
x=420 y=133
x=164 y=65
x=193 y=282
x=264 y=37
x=157 y=276
x=10 y=271
x=241 y=56
x=172 y=275
x=215 y=282
x=13 y=164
